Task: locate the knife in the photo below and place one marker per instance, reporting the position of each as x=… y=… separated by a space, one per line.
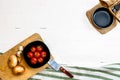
x=58 y=67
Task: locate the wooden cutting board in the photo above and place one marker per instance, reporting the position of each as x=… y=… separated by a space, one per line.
x=6 y=72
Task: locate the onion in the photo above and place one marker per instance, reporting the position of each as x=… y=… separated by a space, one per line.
x=18 y=70
x=12 y=61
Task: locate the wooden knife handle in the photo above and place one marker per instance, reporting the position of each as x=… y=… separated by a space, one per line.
x=66 y=72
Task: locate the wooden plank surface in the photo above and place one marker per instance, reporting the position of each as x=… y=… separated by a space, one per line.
x=6 y=72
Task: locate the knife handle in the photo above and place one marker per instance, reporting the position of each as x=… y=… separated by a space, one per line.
x=66 y=72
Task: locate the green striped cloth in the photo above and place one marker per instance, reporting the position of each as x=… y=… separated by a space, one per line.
x=107 y=72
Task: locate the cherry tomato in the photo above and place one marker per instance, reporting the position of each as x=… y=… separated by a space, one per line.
x=37 y=54
x=33 y=60
x=39 y=48
x=29 y=54
x=40 y=60
x=33 y=49
x=43 y=54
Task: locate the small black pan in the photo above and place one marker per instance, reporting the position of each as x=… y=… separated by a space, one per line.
x=27 y=49
x=102 y=18
x=51 y=62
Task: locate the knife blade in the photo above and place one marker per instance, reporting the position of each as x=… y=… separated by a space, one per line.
x=58 y=67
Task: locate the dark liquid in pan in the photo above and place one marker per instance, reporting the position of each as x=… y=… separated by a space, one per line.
x=102 y=18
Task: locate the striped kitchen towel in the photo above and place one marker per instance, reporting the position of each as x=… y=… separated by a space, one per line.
x=107 y=72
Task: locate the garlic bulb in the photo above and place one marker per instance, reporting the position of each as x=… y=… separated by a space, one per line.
x=20 y=48
x=19 y=53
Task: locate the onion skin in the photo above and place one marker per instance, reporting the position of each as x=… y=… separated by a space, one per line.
x=18 y=70
x=12 y=61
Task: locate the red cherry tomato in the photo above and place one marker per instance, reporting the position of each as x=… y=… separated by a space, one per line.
x=43 y=54
x=33 y=60
x=40 y=60
x=33 y=49
x=39 y=48
x=37 y=54
x=29 y=54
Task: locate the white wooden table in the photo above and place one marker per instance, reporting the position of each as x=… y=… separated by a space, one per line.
x=64 y=27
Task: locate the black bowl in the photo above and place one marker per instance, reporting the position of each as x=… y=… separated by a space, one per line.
x=27 y=49
x=102 y=18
